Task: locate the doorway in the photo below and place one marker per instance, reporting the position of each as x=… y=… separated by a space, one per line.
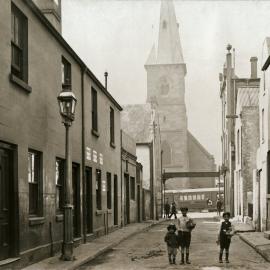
x=115 y=200
x=89 y=202
x=138 y=203
x=8 y=203
x=127 y=204
x=76 y=200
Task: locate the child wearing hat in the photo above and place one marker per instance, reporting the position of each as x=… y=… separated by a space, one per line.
x=172 y=243
x=185 y=226
x=224 y=237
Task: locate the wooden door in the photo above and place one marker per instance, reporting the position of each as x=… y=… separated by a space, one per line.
x=76 y=200
x=89 y=200
x=127 y=217
x=115 y=200
x=6 y=195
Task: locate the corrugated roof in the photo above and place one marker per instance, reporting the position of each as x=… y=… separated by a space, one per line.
x=247 y=96
x=137 y=121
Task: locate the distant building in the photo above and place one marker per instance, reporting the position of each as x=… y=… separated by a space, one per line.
x=131 y=180
x=237 y=96
x=246 y=145
x=141 y=123
x=166 y=71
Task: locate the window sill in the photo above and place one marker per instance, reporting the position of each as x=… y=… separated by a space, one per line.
x=36 y=221
x=112 y=144
x=99 y=212
x=59 y=217
x=20 y=83
x=95 y=133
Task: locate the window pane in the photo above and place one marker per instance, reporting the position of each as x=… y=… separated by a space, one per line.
x=194 y=197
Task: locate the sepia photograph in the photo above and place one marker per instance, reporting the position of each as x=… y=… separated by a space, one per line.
x=134 y=134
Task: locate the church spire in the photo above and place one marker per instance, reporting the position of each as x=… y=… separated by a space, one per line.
x=169 y=45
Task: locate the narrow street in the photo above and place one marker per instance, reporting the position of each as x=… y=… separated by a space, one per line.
x=147 y=250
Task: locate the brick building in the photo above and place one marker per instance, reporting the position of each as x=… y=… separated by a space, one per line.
x=246 y=144
x=235 y=94
x=36 y=62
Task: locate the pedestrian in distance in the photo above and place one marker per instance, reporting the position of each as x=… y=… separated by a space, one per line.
x=172 y=243
x=167 y=209
x=224 y=237
x=219 y=206
x=173 y=210
x=185 y=226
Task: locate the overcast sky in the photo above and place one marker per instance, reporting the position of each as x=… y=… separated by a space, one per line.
x=117 y=36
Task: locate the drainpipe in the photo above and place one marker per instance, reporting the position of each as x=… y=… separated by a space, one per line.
x=121 y=177
x=152 y=213
x=83 y=70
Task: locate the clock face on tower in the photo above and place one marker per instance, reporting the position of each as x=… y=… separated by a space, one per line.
x=163 y=86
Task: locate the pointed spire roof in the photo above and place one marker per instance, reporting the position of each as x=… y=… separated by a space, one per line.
x=169 y=45
x=151 y=60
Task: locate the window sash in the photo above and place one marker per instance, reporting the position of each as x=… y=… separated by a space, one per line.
x=66 y=72
x=111 y=125
x=94 y=110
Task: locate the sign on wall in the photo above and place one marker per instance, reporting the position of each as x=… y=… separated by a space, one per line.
x=100 y=159
x=88 y=153
x=95 y=156
x=103 y=185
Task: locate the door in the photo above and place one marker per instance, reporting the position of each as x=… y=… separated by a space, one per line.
x=115 y=200
x=76 y=200
x=138 y=203
x=89 y=202
x=127 y=216
x=6 y=195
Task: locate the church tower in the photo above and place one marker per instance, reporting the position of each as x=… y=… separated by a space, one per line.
x=166 y=71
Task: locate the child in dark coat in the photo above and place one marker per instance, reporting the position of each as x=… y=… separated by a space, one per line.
x=172 y=243
x=224 y=237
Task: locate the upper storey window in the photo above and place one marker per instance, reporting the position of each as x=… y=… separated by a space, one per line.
x=19 y=44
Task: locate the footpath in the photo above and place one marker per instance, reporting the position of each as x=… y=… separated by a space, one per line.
x=89 y=251
x=259 y=241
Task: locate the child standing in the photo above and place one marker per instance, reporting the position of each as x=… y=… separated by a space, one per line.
x=172 y=243
x=185 y=226
x=224 y=237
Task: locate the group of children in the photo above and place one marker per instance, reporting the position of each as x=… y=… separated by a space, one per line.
x=183 y=238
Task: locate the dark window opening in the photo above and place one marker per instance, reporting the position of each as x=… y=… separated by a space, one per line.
x=98 y=190
x=94 y=110
x=35 y=184
x=19 y=44
x=111 y=125
x=59 y=183
x=109 y=191
x=66 y=73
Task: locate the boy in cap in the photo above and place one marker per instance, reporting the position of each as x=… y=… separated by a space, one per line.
x=172 y=243
x=185 y=226
x=224 y=237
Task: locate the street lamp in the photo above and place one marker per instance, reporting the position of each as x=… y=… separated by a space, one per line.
x=67 y=103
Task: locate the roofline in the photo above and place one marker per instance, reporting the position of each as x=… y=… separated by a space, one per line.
x=67 y=47
x=266 y=64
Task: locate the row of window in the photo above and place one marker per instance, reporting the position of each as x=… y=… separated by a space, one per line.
x=193 y=197
x=19 y=65
x=36 y=185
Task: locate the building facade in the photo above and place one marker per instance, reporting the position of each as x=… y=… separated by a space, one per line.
x=166 y=71
x=141 y=123
x=37 y=63
x=237 y=94
x=246 y=145
x=131 y=178
x=261 y=182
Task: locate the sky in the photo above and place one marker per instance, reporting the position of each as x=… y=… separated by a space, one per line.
x=117 y=35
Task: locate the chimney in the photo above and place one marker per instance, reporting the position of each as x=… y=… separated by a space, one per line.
x=106 y=79
x=51 y=9
x=229 y=57
x=253 y=67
